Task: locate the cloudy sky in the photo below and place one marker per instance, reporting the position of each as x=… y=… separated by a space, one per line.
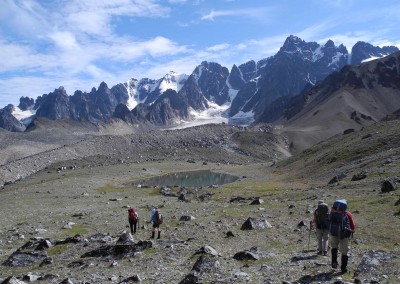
x=78 y=44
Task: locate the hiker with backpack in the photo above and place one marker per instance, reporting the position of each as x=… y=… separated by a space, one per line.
x=133 y=219
x=321 y=222
x=157 y=220
x=342 y=226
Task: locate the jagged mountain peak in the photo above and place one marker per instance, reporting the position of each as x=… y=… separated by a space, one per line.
x=292 y=44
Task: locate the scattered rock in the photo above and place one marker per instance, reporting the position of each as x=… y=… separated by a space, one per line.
x=12 y=280
x=206 y=264
x=257 y=201
x=187 y=218
x=19 y=258
x=191 y=278
x=372 y=259
x=66 y=281
x=359 y=176
x=337 y=178
x=246 y=255
x=125 y=239
x=254 y=224
x=229 y=234
x=207 y=250
x=238 y=199
x=134 y=278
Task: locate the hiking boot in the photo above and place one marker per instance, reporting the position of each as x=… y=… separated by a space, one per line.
x=152 y=234
x=319 y=252
x=334 y=253
x=325 y=252
x=159 y=235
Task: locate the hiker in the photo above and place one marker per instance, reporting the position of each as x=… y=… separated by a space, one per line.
x=321 y=222
x=157 y=220
x=342 y=226
x=133 y=219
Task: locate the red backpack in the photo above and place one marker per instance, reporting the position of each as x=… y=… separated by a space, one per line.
x=158 y=217
x=133 y=216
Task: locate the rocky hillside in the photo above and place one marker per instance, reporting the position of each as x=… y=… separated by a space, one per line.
x=347 y=100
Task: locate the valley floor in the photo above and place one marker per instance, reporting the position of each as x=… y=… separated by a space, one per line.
x=89 y=201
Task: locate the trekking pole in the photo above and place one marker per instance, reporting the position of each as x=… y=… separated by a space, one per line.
x=309 y=236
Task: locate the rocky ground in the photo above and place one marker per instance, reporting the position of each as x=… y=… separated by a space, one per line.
x=64 y=211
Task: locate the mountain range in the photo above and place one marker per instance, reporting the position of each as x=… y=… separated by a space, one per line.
x=302 y=77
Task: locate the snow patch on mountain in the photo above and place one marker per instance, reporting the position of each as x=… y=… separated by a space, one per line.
x=372 y=58
x=24 y=116
x=173 y=81
x=214 y=114
x=336 y=59
x=242 y=118
x=317 y=54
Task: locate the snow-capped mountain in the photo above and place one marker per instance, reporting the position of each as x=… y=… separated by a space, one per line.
x=286 y=74
x=252 y=91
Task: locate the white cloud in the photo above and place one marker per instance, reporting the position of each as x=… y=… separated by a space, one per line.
x=218 y=47
x=260 y=13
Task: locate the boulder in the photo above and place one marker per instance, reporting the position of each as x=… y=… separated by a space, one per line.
x=388 y=185
x=359 y=176
x=134 y=278
x=207 y=250
x=125 y=239
x=257 y=201
x=246 y=255
x=186 y=218
x=19 y=258
x=191 y=278
x=254 y=224
x=12 y=280
x=206 y=264
x=337 y=178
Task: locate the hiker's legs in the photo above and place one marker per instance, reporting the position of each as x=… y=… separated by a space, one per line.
x=320 y=234
x=134 y=227
x=325 y=239
x=334 y=250
x=159 y=233
x=131 y=226
x=344 y=250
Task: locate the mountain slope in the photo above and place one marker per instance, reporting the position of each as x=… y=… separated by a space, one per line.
x=352 y=98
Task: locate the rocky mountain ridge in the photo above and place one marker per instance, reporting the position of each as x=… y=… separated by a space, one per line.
x=245 y=92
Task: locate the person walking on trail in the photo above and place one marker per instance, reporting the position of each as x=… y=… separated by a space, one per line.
x=157 y=220
x=342 y=226
x=133 y=219
x=321 y=222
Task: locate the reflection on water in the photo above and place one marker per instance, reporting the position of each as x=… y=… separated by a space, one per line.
x=187 y=179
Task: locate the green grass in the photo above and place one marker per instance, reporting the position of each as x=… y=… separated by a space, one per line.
x=57 y=250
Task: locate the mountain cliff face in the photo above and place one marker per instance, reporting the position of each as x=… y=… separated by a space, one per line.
x=253 y=91
x=287 y=73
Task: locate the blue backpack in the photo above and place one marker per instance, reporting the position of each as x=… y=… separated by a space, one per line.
x=339 y=221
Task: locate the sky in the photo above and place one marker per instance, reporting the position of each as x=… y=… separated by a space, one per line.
x=77 y=44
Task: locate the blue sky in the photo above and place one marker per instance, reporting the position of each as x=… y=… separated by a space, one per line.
x=78 y=44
